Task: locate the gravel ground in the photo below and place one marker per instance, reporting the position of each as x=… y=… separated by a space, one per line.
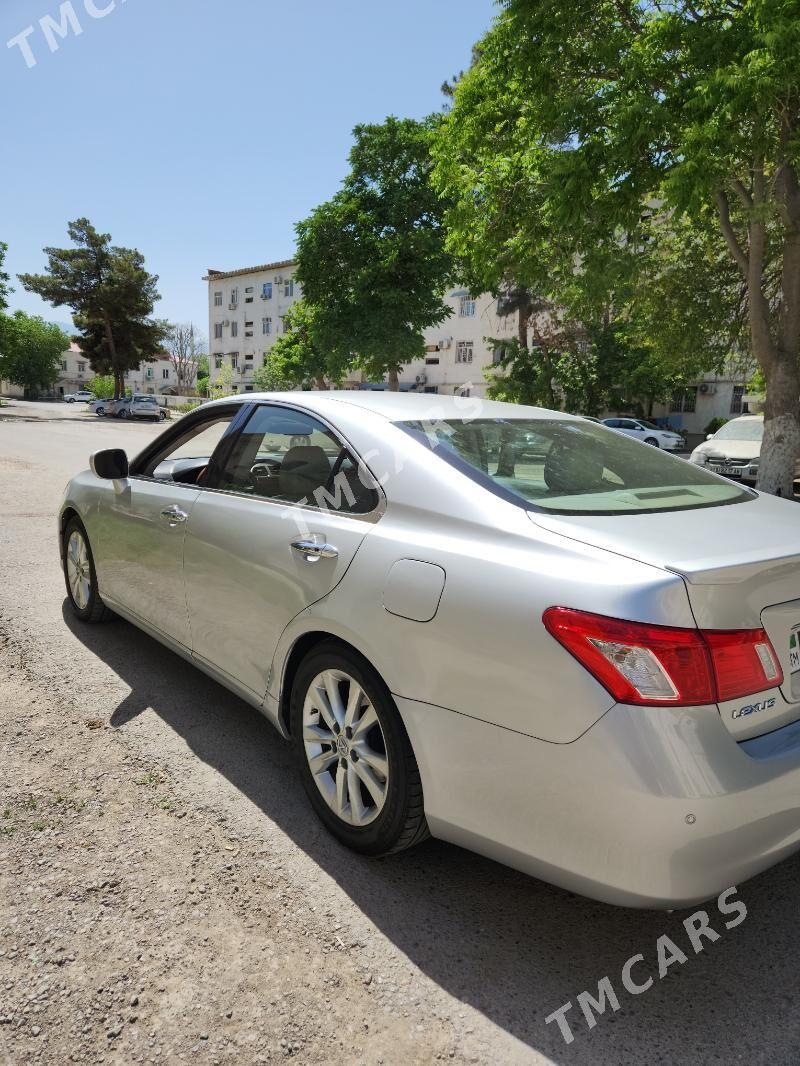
x=166 y=894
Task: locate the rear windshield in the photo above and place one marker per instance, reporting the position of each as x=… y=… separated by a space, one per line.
x=571 y=467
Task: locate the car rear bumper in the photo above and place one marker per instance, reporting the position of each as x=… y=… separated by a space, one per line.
x=651 y=807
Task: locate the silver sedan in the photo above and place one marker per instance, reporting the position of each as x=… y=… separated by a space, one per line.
x=510 y=628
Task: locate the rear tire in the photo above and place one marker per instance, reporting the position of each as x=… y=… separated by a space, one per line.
x=353 y=753
x=80 y=576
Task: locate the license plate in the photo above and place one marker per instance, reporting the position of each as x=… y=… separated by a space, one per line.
x=794 y=651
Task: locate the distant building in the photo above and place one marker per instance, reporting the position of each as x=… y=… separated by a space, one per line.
x=157 y=377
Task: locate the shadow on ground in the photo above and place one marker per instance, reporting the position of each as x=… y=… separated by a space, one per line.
x=511 y=947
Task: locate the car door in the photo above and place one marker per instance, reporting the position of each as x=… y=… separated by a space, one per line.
x=631 y=428
x=284 y=517
x=142 y=525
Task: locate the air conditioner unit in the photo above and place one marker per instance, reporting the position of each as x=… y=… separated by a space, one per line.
x=226 y=322
x=446 y=342
x=707 y=389
x=232 y=307
x=421 y=379
x=278 y=280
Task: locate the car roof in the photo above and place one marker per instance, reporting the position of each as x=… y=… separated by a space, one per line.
x=402 y=406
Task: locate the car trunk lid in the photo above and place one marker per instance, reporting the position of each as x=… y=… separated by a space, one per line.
x=741 y=566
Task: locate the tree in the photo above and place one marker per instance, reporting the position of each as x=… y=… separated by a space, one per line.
x=4 y=289
x=102 y=385
x=112 y=297
x=577 y=120
x=372 y=261
x=268 y=378
x=297 y=357
x=203 y=374
x=30 y=351
x=185 y=345
x=223 y=383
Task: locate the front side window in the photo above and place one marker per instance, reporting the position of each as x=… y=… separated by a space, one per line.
x=571 y=467
x=186 y=457
x=287 y=455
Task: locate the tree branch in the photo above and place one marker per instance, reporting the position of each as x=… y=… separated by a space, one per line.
x=736 y=250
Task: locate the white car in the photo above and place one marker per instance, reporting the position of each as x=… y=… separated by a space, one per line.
x=99 y=407
x=735 y=450
x=81 y=396
x=647 y=432
x=507 y=627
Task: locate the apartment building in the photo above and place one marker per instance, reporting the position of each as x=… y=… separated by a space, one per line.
x=246 y=312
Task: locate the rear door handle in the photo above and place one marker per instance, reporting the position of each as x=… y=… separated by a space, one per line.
x=174 y=515
x=314 y=551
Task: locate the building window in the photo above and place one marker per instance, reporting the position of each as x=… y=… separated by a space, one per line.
x=81 y=367
x=266 y=325
x=248 y=299
x=498 y=355
x=149 y=373
x=464 y=352
x=248 y=355
x=288 y=287
x=165 y=374
x=684 y=400
x=248 y=388
x=217 y=331
x=218 y=299
x=249 y=288
x=234 y=297
x=234 y=329
x=432 y=360
x=266 y=290
x=234 y=361
x=63 y=364
x=736 y=399
x=218 y=362
x=467 y=307
x=284 y=327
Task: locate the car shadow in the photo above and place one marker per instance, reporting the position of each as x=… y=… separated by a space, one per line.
x=510 y=946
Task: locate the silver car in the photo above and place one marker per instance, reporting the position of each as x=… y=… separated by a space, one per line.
x=496 y=624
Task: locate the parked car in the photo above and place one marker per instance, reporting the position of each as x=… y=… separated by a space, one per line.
x=81 y=396
x=140 y=405
x=100 y=407
x=734 y=450
x=584 y=668
x=647 y=432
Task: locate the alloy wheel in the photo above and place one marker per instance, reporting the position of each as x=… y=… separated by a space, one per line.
x=78 y=570
x=345 y=747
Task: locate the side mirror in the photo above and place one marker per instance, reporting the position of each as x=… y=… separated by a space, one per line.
x=111 y=464
x=709 y=436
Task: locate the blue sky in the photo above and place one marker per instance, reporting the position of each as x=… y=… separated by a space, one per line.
x=200 y=131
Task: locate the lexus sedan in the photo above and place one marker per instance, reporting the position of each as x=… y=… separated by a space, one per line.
x=647 y=432
x=496 y=624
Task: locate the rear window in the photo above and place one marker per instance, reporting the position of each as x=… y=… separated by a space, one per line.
x=571 y=467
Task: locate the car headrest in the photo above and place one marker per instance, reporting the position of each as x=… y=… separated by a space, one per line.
x=303 y=469
x=571 y=468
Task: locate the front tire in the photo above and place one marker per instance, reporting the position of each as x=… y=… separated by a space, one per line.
x=652 y=441
x=80 y=575
x=353 y=753
x=100 y=411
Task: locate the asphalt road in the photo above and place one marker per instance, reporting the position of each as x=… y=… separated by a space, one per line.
x=477 y=954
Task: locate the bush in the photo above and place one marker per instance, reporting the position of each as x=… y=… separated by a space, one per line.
x=715 y=424
x=184 y=408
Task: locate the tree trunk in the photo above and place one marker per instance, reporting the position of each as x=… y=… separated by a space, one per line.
x=394 y=383
x=319 y=383
x=781 y=442
x=522 y=327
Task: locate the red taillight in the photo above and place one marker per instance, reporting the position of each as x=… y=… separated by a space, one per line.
x=652 y=665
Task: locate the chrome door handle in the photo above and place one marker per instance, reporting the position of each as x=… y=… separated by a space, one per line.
x=174 y=514
x=313 y=551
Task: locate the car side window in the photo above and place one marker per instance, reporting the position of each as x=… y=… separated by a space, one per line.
x=288 y=455
x=626 y=423
x=612 y=423
x=185 y=459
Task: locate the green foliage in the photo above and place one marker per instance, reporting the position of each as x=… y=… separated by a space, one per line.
x=30 y=351
x=297 y=358
x=637 y=163
x=372 y=260
x=715 y=424
x=112 y=297
x=223 y=383
x=4 y=289
x=203 y=375
x=102 y=385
